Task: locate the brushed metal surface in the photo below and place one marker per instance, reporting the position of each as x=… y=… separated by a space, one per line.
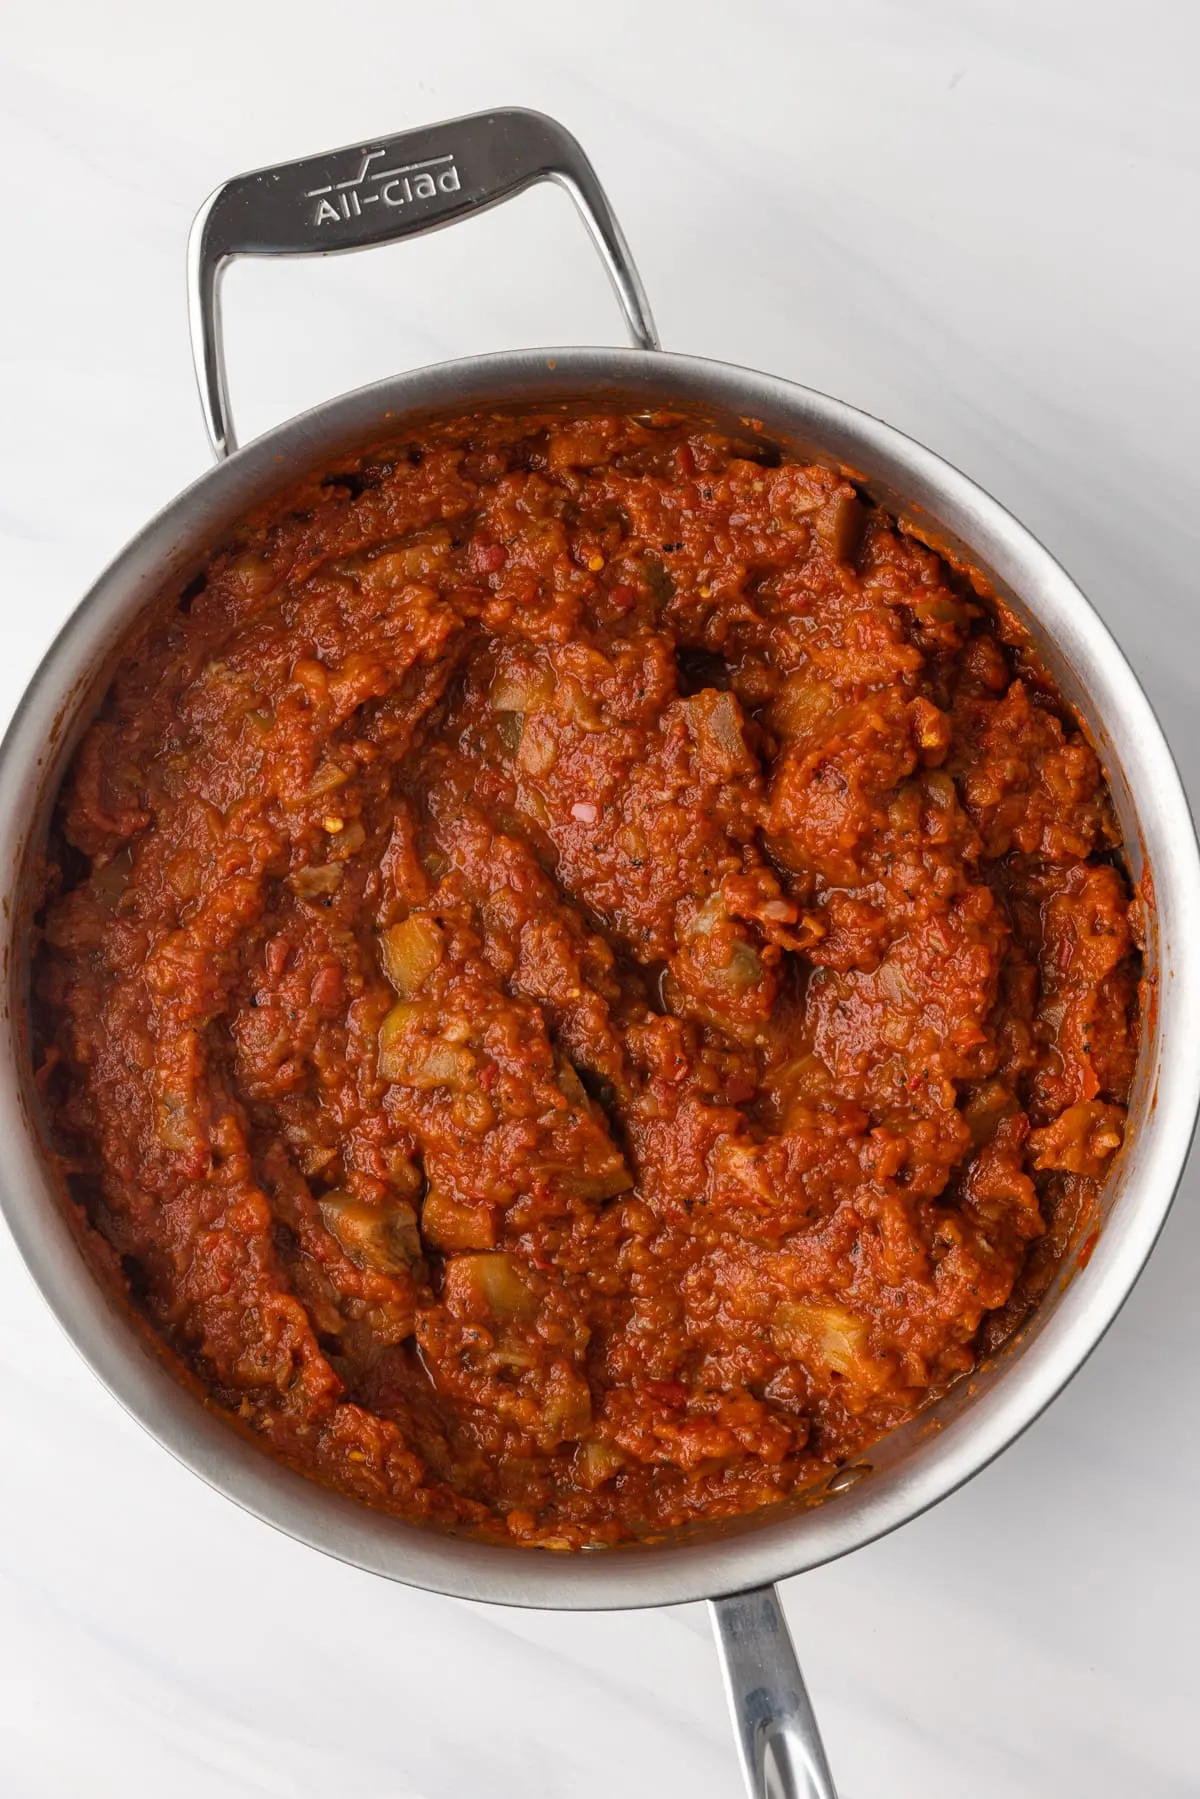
x=390 y=188
x=778 y=1739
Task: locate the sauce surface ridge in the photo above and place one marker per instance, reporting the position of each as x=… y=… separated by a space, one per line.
x=586 y=976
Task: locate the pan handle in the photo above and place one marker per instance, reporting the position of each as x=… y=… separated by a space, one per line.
x=780 y=1746
x=388 y=188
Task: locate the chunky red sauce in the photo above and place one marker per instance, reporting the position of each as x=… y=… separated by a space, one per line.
x=582 y=961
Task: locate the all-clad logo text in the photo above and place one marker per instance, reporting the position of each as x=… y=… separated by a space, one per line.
x=377 y=185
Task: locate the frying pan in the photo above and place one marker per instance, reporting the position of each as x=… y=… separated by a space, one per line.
x=420 y=181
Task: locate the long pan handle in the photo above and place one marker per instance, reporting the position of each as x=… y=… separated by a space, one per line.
x=780 y=1745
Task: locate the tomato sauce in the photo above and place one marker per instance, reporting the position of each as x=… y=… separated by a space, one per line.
x=581 y=961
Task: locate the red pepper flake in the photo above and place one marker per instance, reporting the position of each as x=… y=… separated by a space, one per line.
x=737 y=1091
x=486 y=558
x=585 y=812
x=327 y=987
x=1085 y=1252
x=670 y=1392
x=277 y=952
x=622 y=596
x=489 y=1074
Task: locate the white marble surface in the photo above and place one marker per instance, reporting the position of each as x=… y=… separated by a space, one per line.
x=974 y=217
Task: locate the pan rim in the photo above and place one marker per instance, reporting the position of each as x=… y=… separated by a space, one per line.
x=780 y=1545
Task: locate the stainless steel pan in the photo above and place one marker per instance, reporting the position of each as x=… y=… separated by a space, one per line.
x=420 y=181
